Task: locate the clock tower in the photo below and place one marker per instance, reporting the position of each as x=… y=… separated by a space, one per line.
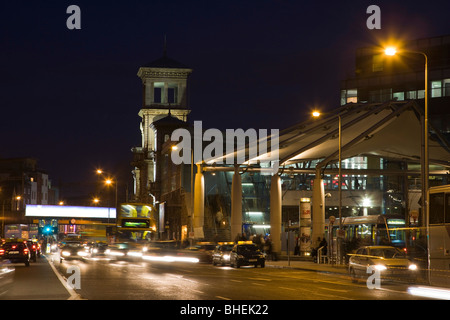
x=164 y=91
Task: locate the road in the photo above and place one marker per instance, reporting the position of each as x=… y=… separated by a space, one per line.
x=101 y=280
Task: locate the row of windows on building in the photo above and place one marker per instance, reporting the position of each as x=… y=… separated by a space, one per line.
x=438 y=88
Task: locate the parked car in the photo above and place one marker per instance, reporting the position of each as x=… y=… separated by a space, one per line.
x=391 y=262
x=246 y=253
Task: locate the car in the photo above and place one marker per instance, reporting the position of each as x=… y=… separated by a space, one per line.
x=391 y=262
x=35 y=249
x=72 y=250
x=97 y=249
x=16 y=251
x=246 y=253
x=221 y=254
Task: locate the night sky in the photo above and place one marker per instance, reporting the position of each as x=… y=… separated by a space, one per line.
x=71 y=98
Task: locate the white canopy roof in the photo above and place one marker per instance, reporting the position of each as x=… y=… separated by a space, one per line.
x=390 y=130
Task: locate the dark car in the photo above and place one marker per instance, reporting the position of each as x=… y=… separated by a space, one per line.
x=15 y=252
x=72 y=250
x=221 y=254
x=246 y=253
x=97 y=249
x=35 y=249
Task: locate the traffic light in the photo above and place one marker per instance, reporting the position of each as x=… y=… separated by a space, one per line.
x=47 y=230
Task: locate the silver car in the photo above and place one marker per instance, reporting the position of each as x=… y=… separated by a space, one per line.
x=390 y=262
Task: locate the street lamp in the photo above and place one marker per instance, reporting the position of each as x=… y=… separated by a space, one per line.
x=317 y=114
x=109 y=181
x=390 y=51
x=424 y=159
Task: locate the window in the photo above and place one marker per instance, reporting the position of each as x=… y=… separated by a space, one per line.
x=399 y=96
x=349 y=96
x=411 y=94
x=446 y=87
x=436 y=89
x=158 y=92
x=421 y=94
x=436 y=213
x=172 y=93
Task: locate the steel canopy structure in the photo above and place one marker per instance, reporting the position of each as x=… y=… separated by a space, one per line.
x=391 y=130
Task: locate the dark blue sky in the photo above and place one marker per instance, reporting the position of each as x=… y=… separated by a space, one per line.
x=71 y=97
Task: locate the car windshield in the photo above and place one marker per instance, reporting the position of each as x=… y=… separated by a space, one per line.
x=388 y=253
x=227 y=247
x=247 y=248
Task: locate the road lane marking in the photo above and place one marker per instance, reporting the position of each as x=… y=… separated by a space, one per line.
x=223 y=298
x=286 y=288
x=73 y=294
x=337 y=290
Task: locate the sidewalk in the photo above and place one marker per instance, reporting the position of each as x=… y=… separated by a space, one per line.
x=304 y=264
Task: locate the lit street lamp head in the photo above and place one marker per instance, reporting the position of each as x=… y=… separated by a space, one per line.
x=390 y=51
x=316 y=114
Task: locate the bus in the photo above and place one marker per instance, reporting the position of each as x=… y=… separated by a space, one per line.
x=358 y=231
x=372 y=230
x=24 y=231
x=438 y=225
x=136 y=221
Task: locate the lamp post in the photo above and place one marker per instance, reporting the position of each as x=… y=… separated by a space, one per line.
x=391 y=51
x=317 y=114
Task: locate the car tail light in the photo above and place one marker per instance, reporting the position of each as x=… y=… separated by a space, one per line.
x=2 y=251
x=34 y=247
x=14 y=247
x=25 y=250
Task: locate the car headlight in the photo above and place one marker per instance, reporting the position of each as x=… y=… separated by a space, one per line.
x=380 y=267
x=82 y=253
x=412 y=267
x=226 y=256
x=65 y=253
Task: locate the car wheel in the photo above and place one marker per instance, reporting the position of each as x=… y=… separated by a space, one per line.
x=27 y=263
x=214 y=262
x=263 y=264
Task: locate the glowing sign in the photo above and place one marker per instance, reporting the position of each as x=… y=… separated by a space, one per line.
x=69 y=211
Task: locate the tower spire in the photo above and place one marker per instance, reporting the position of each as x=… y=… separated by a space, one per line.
x=165 y=46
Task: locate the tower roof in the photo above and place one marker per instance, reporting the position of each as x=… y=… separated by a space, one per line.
x=166 y=62
x=169 y=120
